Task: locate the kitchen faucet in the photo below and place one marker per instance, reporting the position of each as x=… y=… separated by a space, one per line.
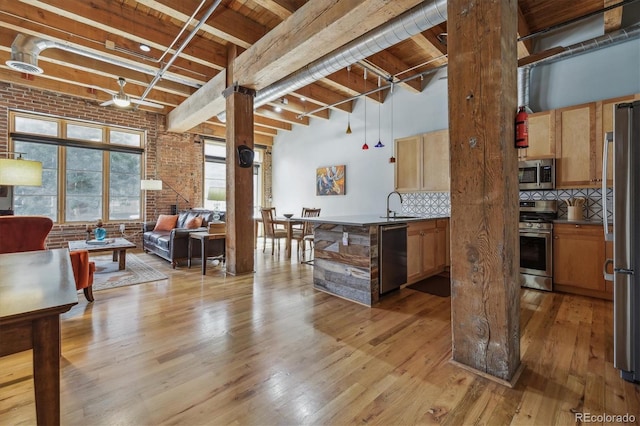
x=388 y=196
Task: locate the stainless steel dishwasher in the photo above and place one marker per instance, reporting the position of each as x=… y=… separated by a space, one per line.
x=392 y=256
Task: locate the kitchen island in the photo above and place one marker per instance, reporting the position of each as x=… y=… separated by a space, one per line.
x=351 y=270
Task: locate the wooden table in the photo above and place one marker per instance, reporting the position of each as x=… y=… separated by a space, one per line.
x=204 y=238
x=288 y=225
x=119 y=247
x=35 y=288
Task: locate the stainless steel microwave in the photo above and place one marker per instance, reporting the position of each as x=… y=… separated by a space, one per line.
x=537 y=174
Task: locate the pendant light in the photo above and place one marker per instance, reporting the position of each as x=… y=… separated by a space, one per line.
x=348 y=132
x=392 y=159
x=379 y=144
x=365 y=146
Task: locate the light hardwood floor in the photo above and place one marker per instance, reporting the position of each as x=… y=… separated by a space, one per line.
x=267 y=349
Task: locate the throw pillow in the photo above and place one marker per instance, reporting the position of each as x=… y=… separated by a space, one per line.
x=166 y=222
x=194 y=223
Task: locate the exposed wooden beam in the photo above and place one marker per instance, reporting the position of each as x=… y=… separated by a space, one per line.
x=524 y=47
x=315 y=30
x=96 y=12
x=324 y=96
x=391 y=65
x=613 y=17
x=272 y=123
x=286 y=116
x=281 y=8
x=430 y=49
x=196 y=109
x=225 y=23
x=295 y=105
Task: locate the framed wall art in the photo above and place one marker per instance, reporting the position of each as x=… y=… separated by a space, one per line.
x=330 y=180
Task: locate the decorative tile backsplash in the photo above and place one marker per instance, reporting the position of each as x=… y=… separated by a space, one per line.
x=430 y=203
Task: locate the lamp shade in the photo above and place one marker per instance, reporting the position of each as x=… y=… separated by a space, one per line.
x=151 y=184
x=20 y=172
x=217 y=194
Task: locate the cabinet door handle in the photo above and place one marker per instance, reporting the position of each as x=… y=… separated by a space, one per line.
x=556 y=237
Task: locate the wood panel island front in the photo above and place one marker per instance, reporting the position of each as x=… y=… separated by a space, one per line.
x=346 y=254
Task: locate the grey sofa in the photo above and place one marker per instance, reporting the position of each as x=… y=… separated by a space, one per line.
x=174 y=245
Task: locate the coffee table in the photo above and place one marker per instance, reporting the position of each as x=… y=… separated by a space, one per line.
x=119 y=247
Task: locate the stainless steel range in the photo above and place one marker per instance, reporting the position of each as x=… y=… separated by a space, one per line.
x=536 y=243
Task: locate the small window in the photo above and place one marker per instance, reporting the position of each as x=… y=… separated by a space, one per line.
x=125 y=138
x=36 y=126
x=213 y=149
x=84 y=133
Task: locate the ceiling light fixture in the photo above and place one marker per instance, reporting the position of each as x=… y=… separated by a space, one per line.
x=278 y=109
x=145 y=48
x=121 y=99
x=392 y=159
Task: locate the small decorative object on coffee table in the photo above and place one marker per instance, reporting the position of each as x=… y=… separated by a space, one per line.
x=100 y=232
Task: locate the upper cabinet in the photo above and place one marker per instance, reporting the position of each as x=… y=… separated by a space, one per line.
x=422 y=162
x=542 y=136
x=576 y=147
x=604 y=123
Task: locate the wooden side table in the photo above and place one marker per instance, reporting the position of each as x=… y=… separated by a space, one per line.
x=204 y=238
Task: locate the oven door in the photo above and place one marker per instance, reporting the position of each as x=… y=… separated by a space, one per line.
x=535 y=253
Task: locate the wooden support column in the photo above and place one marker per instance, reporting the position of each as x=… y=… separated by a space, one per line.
x=485 y=302
x=239 y=215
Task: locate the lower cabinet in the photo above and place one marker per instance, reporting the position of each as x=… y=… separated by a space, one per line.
x=427 y=248
x=579 y=252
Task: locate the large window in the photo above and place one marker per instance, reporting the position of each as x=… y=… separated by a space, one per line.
x=215 y=175
x=89 y=171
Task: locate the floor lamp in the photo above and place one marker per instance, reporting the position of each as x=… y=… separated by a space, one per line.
x=149 y=185
x=18 y=172
x=156 y=185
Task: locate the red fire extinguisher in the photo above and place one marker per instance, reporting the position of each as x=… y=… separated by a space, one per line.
x=522 y=129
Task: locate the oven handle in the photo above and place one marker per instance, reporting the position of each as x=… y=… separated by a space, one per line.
x=528 y=233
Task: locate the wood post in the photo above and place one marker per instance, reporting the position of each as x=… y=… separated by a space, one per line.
x=239 y=215
x=485 y=300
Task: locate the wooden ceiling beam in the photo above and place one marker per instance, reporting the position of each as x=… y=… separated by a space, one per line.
x=286 y=116
x=225 y=23
x=392 y=65
x=127 y=26
x=295 y=105
x=613 y=17
x=270 y=122
x=430 y=50
x=524 y=47
x=315 y=30
x=324 y=97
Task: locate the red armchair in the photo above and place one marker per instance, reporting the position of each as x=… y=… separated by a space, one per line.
x=29 y=233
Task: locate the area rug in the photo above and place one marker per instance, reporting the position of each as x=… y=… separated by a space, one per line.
x=108 y=276
x=437 y=285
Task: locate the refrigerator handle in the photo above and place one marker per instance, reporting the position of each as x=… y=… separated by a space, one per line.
x=538 y=167
x=608 y=138
x=607 y=276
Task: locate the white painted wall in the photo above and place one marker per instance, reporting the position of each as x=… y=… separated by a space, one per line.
x=602 y=74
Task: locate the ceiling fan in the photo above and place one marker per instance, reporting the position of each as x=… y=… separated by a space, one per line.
x=122 y=100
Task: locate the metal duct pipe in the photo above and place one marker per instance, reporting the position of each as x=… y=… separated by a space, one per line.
x=26 y=49
x=606 y=40
x=417 y=19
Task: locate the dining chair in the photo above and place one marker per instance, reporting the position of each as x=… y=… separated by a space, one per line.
x=306 y=232
x=270 y=230
x=29 y=233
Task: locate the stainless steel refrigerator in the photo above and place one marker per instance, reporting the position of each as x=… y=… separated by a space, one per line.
x=625 y=237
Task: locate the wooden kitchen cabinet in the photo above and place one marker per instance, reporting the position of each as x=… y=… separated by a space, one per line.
x=422 y=162
x=604 y=124
x=542 y=136
x=576 y=148
x=578 y=259
x=427 y=249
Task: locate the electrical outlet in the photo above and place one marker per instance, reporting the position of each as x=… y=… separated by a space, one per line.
x=122 y=227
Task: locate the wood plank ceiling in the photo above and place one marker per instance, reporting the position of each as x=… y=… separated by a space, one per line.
x=293 y=32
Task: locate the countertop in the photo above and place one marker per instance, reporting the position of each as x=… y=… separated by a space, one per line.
x=371 y=219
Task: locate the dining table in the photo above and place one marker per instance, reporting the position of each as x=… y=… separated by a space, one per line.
x=287 y=222
x=35 y=288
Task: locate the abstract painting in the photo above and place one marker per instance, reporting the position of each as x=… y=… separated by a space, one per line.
x=330 y=180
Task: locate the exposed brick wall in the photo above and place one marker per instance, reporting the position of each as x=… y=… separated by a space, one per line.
x=174 y=156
